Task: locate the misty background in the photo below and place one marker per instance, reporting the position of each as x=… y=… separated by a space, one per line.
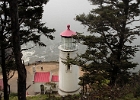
x=58 y=14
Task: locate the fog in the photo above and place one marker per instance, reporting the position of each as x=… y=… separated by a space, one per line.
x=57 y=14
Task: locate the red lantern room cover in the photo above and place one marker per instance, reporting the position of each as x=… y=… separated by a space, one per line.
x=68 y=32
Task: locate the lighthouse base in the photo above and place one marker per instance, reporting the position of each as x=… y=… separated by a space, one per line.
x=65 y=93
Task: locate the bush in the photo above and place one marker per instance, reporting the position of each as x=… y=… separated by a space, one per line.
x=137 y=92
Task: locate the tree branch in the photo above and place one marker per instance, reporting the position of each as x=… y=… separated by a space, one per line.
x=11 y=75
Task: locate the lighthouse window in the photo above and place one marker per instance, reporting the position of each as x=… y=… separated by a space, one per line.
x=68 y=66
x=68 y=43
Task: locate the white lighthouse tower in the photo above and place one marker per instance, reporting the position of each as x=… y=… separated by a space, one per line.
x=68 y=74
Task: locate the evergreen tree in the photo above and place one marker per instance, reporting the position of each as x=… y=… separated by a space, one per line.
x=22 y=26
x=110 y=50
x=13 y=4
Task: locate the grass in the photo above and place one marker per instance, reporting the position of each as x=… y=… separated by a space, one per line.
x=38 y=97
x=13 y=96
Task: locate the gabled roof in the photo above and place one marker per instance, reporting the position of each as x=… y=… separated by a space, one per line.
x=1 y=83
x=68 y=32
x=42 y=77
x=55 y=78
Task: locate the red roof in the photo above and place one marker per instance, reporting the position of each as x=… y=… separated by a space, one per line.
x=68 y=32
x=55 y=78
x=1 y=83
x=42 y=77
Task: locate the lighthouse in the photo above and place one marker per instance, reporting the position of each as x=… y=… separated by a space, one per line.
x=68 y=74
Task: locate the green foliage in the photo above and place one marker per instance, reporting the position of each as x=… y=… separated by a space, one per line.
x=102 y=93
x=109 y=51
x=129 y=96
x=39 y=97
x=137 y=92
x=135 y=84
x=30 y=26
x=30 y=15
x=20 y=23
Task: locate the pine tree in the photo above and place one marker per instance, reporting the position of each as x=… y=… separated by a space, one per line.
x=110 y=52
x=30 y=29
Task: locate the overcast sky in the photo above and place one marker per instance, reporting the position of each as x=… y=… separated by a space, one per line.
x=59 y=13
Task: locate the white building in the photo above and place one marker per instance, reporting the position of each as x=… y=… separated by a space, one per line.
x=46 y=80
x=68 y=74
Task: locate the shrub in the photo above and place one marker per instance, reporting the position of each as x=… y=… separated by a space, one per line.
x=137 y=92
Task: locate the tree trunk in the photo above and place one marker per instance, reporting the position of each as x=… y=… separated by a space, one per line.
x=17 y=50
x=6 y=96
x=2 y=51
x=114 y=75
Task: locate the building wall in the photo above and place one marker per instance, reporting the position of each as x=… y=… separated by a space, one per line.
x=37 y=87
x=46 y=87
